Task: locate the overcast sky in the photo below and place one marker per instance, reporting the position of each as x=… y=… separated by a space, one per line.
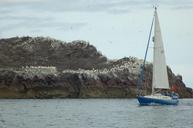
x=118 y=28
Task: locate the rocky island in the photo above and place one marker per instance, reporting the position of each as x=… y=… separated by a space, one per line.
x=39 y=67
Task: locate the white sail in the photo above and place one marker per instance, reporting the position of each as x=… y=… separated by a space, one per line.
x=160 y=76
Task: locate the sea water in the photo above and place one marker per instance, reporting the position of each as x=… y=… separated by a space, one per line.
x=93 y=113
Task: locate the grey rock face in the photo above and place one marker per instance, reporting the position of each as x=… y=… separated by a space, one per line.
x=48 y=68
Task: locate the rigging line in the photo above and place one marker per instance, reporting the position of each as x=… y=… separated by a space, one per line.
x=148 y=41
x=141 y=77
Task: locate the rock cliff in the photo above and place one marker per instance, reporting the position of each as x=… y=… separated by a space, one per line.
x=27 y=51
x=47 y=68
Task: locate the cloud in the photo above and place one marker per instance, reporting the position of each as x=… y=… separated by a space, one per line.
x=18 y=1
x=41 y=24
x=185 y=7
x=107 y=6
x=89 y=6
x=69 y=5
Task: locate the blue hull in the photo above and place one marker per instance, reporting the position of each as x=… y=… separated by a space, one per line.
x=151 y=101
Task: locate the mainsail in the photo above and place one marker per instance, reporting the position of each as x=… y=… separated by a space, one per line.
x=160 y=76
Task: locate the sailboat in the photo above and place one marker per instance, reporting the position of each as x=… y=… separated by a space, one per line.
x=160 y=76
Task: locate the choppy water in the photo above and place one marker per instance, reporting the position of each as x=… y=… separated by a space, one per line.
x=93 y=113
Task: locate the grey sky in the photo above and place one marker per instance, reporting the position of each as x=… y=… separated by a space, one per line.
x=118 y=28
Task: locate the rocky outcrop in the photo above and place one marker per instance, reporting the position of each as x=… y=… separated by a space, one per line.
x=27 y=51
x=47 y=68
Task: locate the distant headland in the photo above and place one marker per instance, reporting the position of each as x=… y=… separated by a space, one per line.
x=39 y=67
